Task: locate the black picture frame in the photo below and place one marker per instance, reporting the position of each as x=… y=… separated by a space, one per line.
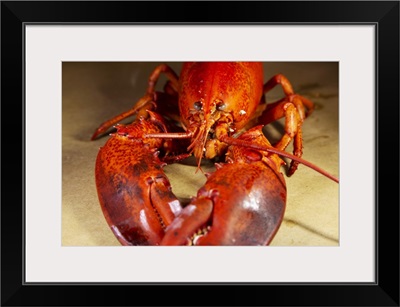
x=383 y=14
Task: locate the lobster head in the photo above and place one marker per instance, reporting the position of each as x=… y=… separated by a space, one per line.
x=217 y=99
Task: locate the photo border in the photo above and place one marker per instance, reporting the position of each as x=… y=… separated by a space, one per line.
x=385 y=15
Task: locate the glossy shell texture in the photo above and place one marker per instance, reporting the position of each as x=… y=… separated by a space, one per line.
x=237 y=85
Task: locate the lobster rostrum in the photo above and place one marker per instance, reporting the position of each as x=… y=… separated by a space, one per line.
x=212 y=110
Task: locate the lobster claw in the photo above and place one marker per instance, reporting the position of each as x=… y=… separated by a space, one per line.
x=242 y=203
x=134 y=193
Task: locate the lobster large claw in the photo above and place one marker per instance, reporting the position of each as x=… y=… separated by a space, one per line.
x=242 y=202
x=134 y=193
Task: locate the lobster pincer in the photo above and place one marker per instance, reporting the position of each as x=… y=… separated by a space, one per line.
x=242 y=203
x=134 y=193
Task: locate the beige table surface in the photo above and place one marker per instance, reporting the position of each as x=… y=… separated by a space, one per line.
x=94 y=92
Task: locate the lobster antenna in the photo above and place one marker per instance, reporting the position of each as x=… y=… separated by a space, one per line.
x=304 y=162
x=238 y=142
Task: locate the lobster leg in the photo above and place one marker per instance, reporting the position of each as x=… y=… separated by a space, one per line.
x=144 y=103
x=147 y=102
x=288 y=90
x=295 y=109
x=155 y=75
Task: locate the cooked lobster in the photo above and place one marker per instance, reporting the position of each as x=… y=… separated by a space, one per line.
x=215 y=111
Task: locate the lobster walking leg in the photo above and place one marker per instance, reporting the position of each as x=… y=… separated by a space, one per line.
x=295 y=109
x=242 y=202
x=141 y=107
x=155 y=75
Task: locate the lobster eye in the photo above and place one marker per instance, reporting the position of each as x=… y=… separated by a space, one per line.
x=221 y=106
x=198 y=105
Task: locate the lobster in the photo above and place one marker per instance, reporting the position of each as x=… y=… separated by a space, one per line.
x=211 y=110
